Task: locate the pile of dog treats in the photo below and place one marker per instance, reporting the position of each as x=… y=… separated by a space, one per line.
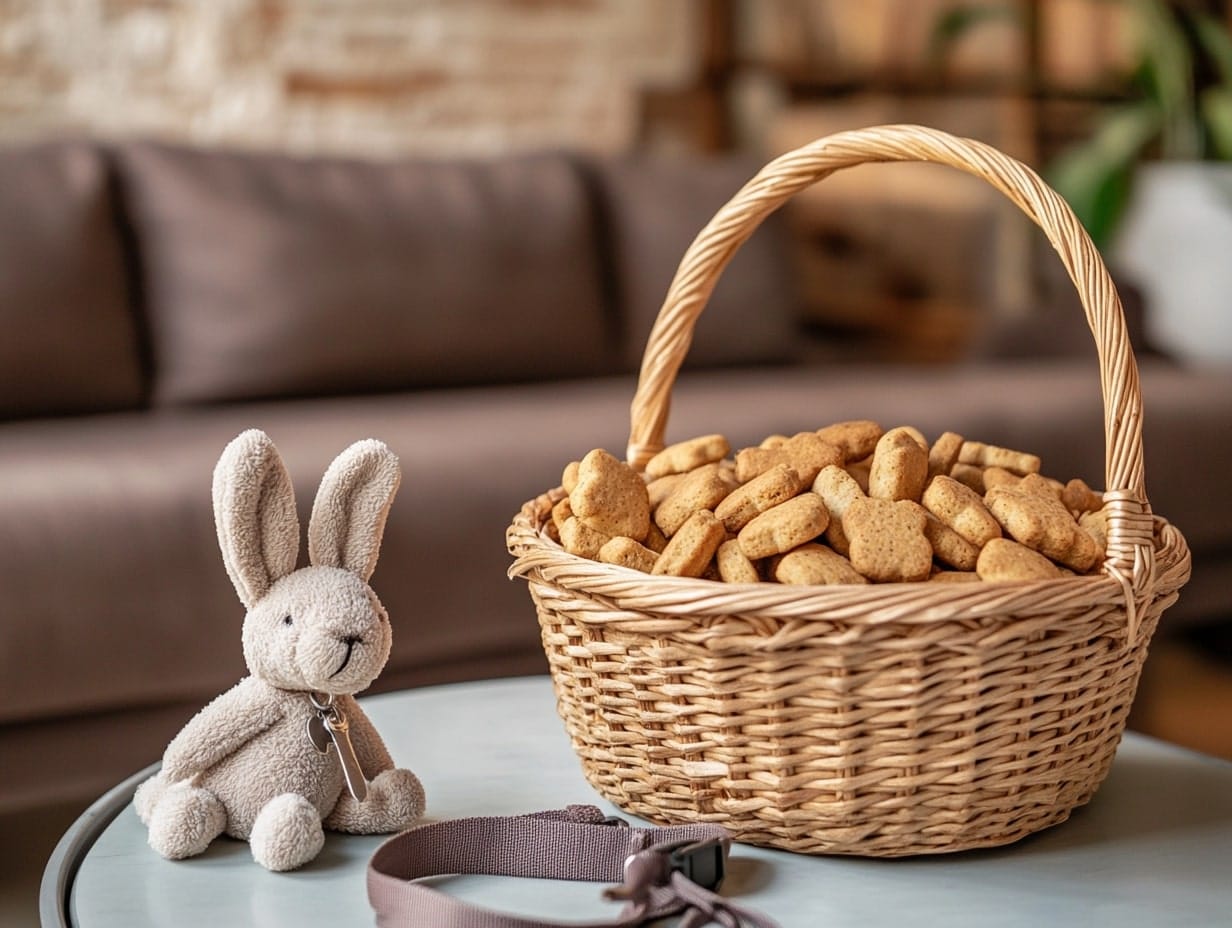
x=849 y=503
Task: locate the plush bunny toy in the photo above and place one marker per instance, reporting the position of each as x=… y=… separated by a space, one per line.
x=288 y=750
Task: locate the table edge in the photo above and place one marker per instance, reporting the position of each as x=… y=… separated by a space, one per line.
x=62 y=865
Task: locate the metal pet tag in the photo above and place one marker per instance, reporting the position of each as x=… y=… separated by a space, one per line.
x=318 y=734
x=329 y=726
x=339 y=731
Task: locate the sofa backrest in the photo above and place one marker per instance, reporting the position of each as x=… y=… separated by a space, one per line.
x=267 y=275
x=68 y=337
x=651 y=209
x=222 y=276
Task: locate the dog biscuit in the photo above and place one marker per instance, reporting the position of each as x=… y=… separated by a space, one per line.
x=969 y=475
x=837 y=489
x=610 y=497
x=916 y=434
x=733 y=566
x=687 y=455
x=953 y=576
x=815 y=565
x=578 y=538
x=995 y=477
x=625 y=552
x=855 y=439
x=569 y=478
x=962 y=509
x=1003 y=559
x=777 y=485
x=982 y=455
x=948 y=546
x=900 y=466
x=561 y=512
x=1081 y=498
x=655 y=539
x=887 y=539
x=788 y=525
x=703 y=488
x=1042 y=523
x=859 y=471
x=1038 y=483
x=690 y=551
x=753 y=462
x=804 y=452
x=943 y=454
x=1095 y=524
x=659 y=488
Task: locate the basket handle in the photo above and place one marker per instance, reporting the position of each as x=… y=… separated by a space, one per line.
x=1130 y=541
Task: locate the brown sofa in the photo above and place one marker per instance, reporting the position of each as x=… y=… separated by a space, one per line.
x=484 y=319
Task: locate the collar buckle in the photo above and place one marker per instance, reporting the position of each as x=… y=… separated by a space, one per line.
x=702 y=862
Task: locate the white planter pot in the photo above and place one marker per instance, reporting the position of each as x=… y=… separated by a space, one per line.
x=1175 y=243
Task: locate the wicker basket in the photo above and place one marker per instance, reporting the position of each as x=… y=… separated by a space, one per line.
x=879 y=720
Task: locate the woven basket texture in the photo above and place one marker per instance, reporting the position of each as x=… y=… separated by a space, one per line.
x=880 y=720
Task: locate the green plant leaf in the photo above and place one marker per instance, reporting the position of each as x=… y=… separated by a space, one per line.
x=1216 y=41
x=1166 y=71
x=1216 y=106
x=1094 y=176
x=960 y=19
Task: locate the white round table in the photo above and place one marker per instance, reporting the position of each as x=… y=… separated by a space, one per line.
x=1154 y=847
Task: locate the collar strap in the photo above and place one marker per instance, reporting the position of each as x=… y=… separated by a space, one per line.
x=662 y=871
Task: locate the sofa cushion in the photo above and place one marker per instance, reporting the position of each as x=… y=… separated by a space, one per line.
x=70 y=342
x=653 y=209
x=267 y=276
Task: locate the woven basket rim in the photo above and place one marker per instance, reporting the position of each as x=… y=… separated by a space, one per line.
x=916 y=603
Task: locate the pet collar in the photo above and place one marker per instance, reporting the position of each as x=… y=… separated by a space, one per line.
x=663 y=871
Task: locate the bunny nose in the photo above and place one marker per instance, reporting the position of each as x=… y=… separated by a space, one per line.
x=352 y=640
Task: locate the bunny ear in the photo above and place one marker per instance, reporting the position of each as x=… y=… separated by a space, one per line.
x=254 y=511
x=348 y=517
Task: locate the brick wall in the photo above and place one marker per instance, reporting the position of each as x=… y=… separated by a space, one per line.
x=373 y=76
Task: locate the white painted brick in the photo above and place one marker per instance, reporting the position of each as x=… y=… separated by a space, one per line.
x=340 y=75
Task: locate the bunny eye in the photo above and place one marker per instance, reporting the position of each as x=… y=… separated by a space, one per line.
x=286 y=620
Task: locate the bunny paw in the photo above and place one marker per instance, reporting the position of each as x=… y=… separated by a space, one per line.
x=147 y=796
x=287 y=833
x=182 y=819
x=395 y=801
